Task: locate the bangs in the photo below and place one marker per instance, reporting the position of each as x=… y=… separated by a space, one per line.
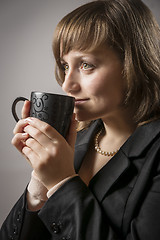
x=84 y=29
x=82 y=34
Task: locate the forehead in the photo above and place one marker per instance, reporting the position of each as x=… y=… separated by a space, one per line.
x=102 y=54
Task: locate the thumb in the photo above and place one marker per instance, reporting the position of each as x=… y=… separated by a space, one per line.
x=26 y=109
x=72 y=134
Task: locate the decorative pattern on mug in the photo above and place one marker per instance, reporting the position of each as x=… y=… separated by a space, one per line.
x=39 y=109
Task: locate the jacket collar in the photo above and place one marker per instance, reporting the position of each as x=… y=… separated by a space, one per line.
x=111 y=172
x=141 y=139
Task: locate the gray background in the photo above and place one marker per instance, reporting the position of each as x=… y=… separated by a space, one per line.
x=26 y=64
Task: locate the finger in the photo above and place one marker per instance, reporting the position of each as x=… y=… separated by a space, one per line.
x=20 y=126
x=26 y=109
x=35 y=146
x=30 y=155
x=72 y=134
x=39 y=136
x=19 y=140
x=43 y=127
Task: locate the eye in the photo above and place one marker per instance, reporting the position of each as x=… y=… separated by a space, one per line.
x=65 y=67
x=86 y=66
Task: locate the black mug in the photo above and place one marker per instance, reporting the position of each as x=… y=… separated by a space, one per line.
x=54 y=109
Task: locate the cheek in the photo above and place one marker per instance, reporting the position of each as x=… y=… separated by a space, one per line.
x=112 y=89
x=100 y=85
x=95 y=83
x=109 y=82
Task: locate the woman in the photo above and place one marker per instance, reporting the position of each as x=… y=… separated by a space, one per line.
x=107 y=57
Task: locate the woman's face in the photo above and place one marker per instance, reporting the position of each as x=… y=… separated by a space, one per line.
x=96 y=81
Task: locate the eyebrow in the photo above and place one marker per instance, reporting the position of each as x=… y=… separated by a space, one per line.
x=62 y=60
x=81 y=56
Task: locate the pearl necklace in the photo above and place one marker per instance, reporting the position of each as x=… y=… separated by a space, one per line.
x=99 y=150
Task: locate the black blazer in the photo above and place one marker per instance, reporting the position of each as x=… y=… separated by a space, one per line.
x=122 y=200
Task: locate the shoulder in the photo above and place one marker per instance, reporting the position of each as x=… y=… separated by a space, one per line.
x=143 y=139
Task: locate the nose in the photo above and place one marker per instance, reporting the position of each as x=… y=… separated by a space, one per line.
x=71 y=83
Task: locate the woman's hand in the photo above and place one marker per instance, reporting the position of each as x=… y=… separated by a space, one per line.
x=50 y=155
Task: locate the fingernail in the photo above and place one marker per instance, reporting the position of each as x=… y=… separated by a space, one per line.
x=29 y=120
x=24 y=134
x=25 y=128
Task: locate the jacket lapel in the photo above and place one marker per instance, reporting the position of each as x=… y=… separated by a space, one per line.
x=101 y=183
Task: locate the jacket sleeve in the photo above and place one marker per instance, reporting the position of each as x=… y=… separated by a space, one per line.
x=70 y=213
x=74 y=213
x=22 y=224
x=12 y=225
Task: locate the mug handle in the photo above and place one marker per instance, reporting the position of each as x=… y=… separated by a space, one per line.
x=18 y=99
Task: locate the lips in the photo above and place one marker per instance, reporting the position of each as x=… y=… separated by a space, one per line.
x=81 y=100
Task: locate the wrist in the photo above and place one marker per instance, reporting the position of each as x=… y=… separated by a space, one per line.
x=36 y=188
x=52 y=190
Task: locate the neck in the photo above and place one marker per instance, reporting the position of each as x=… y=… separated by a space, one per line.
x=118 y=127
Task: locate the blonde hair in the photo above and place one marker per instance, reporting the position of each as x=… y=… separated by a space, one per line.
x=127 y=26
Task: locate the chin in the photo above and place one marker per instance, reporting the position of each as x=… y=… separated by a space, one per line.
x=85 y=117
